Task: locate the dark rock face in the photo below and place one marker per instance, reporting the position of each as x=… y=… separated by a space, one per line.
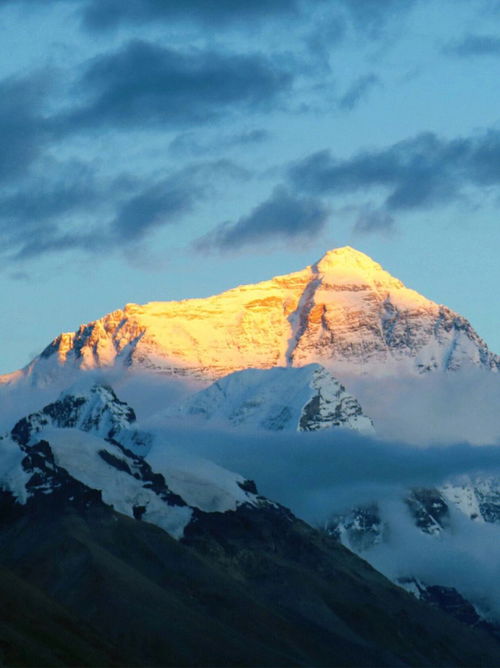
x=360 y=529
x=51 y=484
x=316 y=414
x=429 y=509
x=453 y=603
x=248 y=486
x=490 y=511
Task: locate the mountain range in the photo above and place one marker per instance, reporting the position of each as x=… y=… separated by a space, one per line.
x=132 y=549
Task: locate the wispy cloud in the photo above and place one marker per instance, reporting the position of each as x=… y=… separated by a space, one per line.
x=23 y=129
x=475 y=45
x=357 y=91
x=283 y=216
x=372 y=220
x=192 y=143
x=420 y=172
x=106 y=14
x=59 y=213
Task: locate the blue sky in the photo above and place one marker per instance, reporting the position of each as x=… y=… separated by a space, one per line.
x=156 y=149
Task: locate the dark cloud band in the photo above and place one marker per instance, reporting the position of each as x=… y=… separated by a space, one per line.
x=105 y=14
x=143 y=84
x=283 y=216
x=475 y=45
x=420 y=172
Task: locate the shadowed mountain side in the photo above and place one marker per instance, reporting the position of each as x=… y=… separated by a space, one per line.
x=251 y=587
x=35 y=630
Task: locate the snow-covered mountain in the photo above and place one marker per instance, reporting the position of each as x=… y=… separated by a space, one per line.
x=344 y=312
x=83 y=444
x=434 y=542
x=271 y=352
x=306 y=398
x=92 y=408
x=432 y=511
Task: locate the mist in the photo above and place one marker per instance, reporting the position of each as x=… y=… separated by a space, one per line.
x=319 y=473
x=431 y=430
x=433 y=408
x=466 y=557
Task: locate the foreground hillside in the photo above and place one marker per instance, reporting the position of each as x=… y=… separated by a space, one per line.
x=107 y=560
x=241 y=588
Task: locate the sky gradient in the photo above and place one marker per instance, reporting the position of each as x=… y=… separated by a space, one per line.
x=156 y=150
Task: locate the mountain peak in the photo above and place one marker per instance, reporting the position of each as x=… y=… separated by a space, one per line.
x=346 y=265
x=345 y=312
x=347 y=257
x=345 y=253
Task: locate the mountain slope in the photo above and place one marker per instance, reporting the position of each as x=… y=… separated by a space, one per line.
x=344 y=312
x=251 y=587
x=283 y=398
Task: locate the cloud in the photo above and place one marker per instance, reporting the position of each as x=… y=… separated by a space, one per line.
x=57 y=213
x=372 y=16
x=433 y=408
x=325 y=473
x=282 y=216
x=143 y=85
x=326 y=34
x=161 y=204
x=358 y=90
x=71 y=186
x=373 y=221
x=167 y=200
x=368 y=16
x=321 y=473
x=23 y=130
x=54 y=209
x=190 y=143
x=475 y=45
x=421 y=172
x=466 y=557
x=106 y=14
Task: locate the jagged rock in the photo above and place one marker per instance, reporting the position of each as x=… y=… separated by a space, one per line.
x=95 y=409
x=430 y=511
